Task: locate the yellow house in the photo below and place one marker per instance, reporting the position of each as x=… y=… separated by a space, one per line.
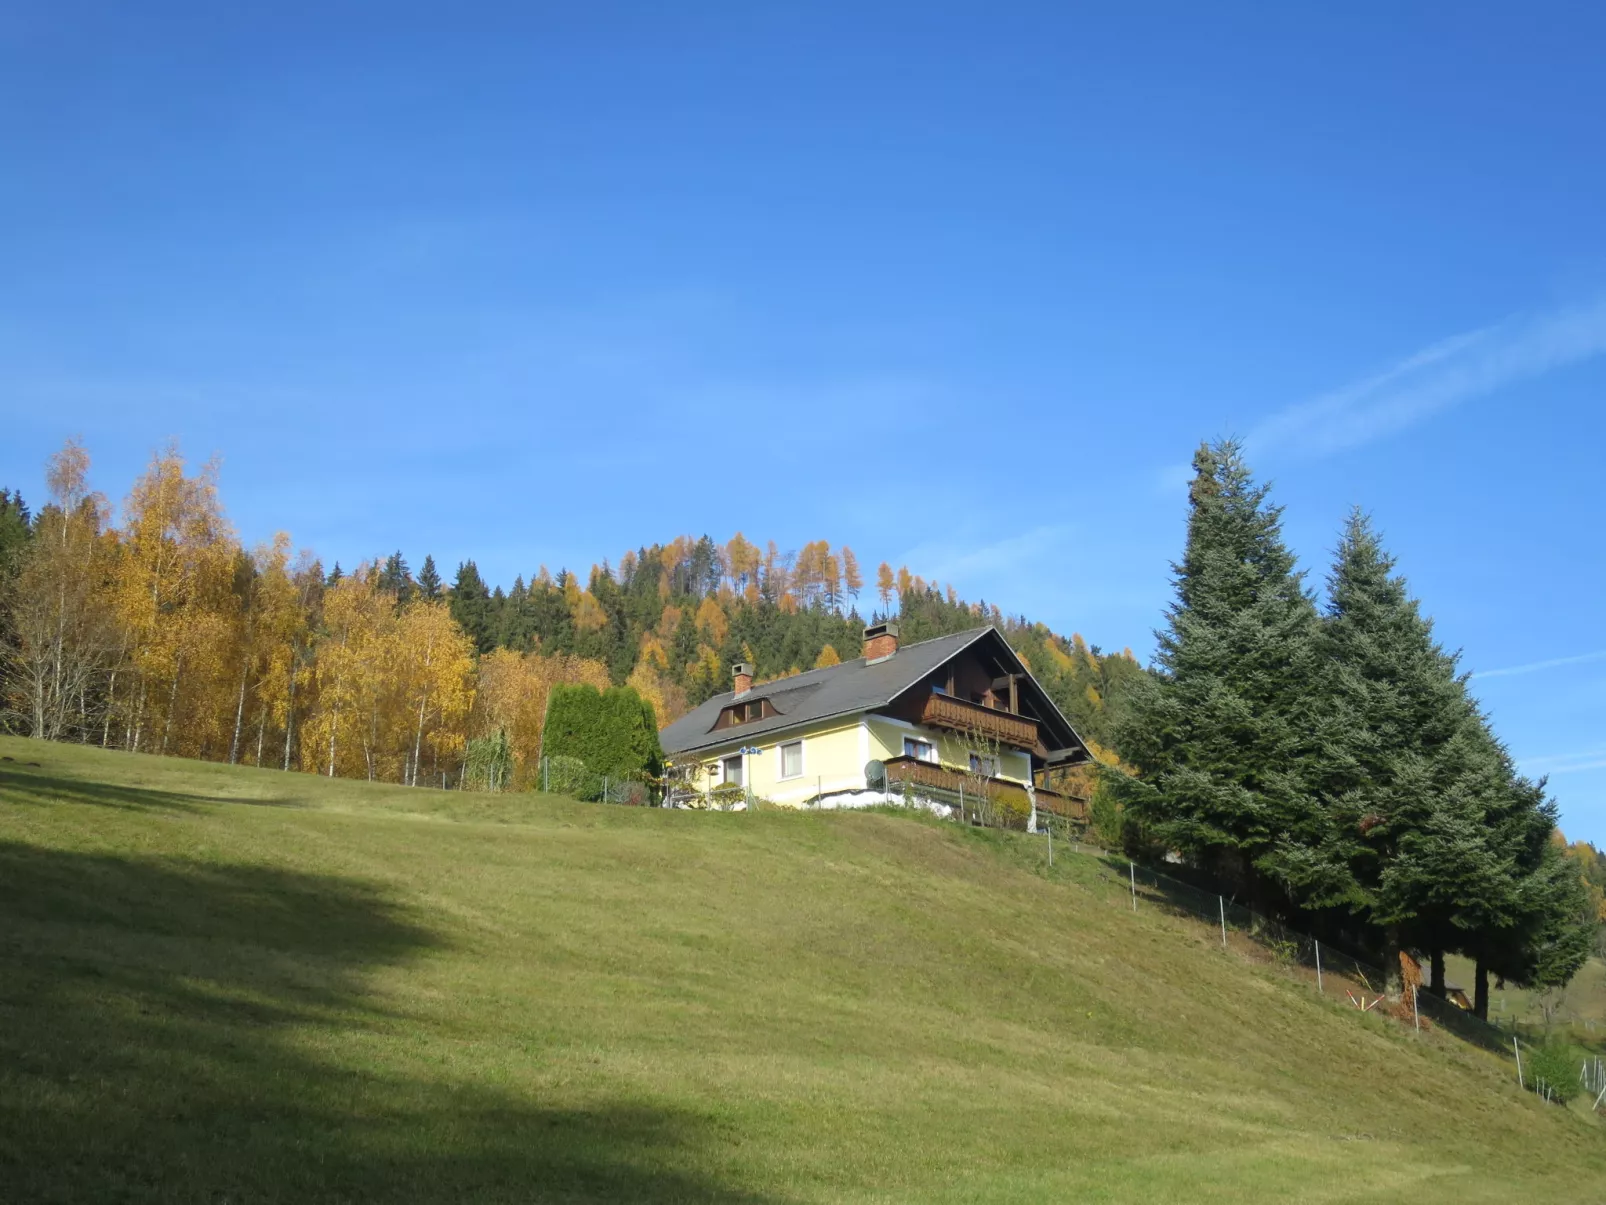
x=928 y=722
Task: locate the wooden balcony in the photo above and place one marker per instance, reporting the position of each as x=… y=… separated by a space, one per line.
x=987 y=723
x=953 y=784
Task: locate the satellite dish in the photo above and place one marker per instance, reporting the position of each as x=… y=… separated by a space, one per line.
x=875 y=774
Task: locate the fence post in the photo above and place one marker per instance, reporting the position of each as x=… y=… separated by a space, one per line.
x=1517 y=1050
x=1319 y=968
x=1416 y=1014
x=1598 y=1099
x=1222 y=901
x=1132 y=869
x=1050 y=828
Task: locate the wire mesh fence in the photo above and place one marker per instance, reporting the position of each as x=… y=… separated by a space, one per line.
x=573 y=777
x=1556 y=1070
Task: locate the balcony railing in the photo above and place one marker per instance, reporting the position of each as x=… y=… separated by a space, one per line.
x=956 y=785
x=1007 y=728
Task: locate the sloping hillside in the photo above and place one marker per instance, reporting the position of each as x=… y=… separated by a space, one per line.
x=230 y=984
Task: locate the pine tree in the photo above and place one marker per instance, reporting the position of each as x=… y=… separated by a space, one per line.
x=16 y=524
x=429 y=580
x=1217 y=735
x=396 y=578
x=16 y=527
x=471 y=607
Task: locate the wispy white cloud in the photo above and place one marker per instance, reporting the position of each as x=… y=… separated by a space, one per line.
x=1565 y=763
x=963 y=561
x=1535 y=666
x=1440 y=376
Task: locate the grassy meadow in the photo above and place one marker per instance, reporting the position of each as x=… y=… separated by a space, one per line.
x=235 y=985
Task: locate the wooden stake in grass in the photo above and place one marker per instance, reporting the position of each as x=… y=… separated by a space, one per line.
x=1319 y=968
x=1517 y=1050
x=1133 y=871
x=1222 y=901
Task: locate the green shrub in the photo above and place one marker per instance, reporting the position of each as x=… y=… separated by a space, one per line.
x=568 y=776
x=1552 y=1071
x=1105 y=815
x=612 y=732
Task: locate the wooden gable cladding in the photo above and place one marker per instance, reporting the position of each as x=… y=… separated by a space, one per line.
x=745 y=712
x=967 y=696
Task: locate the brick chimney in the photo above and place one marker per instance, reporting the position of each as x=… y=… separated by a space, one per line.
x=743 y=674
x=881 y=640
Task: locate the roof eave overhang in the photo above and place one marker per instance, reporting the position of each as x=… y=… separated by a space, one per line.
x=736 y=733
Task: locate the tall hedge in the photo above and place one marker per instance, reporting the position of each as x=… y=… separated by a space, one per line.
x=612 y=731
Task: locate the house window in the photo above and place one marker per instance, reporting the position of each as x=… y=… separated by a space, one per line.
x=746 y=713
x=919 y=750
x=981 y=764
x=733 y=771
x=792 y=759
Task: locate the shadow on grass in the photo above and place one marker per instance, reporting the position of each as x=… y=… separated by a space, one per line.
x=172 y=1031
x=46 y=788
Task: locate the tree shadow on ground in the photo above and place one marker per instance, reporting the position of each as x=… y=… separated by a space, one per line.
x=175 y=1031
x=42 y=787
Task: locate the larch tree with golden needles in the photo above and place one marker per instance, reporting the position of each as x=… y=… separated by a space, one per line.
x=885 y=584
x=852 y=580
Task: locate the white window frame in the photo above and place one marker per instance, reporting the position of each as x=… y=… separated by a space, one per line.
x=780 y=761
x=724 y=770
x=931 y=749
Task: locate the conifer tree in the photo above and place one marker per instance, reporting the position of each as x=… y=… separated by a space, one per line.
x=429 y=580
x=471 y=607
x=1428 y=832
x=396 y=578
x=1536 y=930
x=16 y=527
x=1395 y=769
x=1217 y=735
x=16 y=524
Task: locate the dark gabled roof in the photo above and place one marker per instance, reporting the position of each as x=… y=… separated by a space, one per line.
x=849 y=688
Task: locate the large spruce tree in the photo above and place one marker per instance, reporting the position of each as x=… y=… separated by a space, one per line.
x=1218 y=735
x=1538 y=929
x=1429 y=834
x=1395 y=772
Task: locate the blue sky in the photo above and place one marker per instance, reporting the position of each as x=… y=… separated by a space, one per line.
x=957 y=285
